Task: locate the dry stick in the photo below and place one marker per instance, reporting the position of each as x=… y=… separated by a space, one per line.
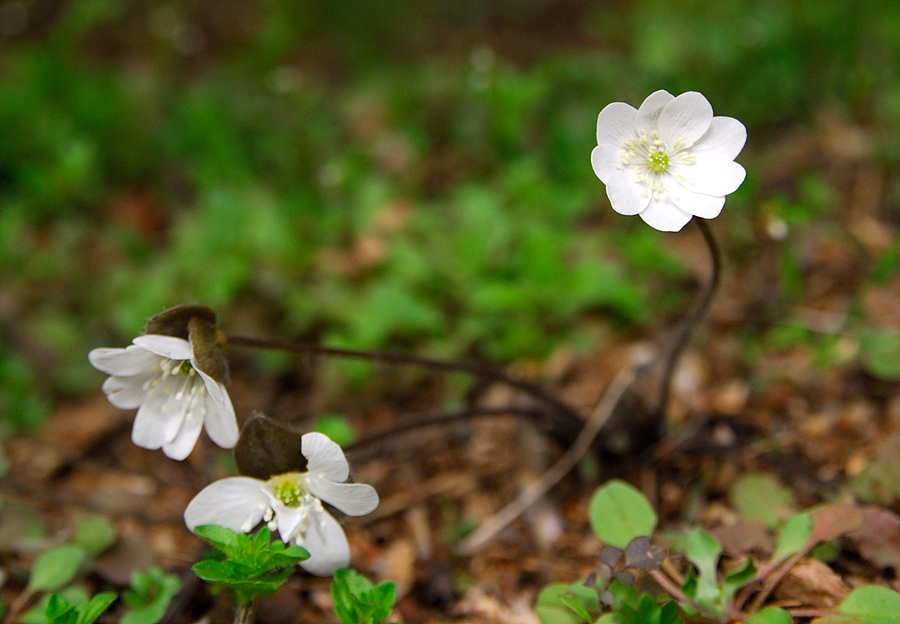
x=598 y=418
x=691 y=320
x=567 y=421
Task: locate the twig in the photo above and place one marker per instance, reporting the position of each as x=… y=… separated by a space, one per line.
x=431 y=419
x=689 y=322
x=566 y=421
x=604 y=409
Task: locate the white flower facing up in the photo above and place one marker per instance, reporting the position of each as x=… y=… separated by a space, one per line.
x=159 y=376
x=668 y=161
x=292 y=504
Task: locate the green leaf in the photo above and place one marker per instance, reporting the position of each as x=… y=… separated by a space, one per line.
x=872 y=604
x=59 y=611
x=738 y=578
x=619 y=512
x=224 y=539
x=770 y=615
x=95 y=534
x=793 y=536
x=94 y=608
x=703 y=551
x=879 y=353
x=55 y=568
x=151 y=592
x=551 y=609
x=761 y=498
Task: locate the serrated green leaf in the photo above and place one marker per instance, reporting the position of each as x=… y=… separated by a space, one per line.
x=55 y=568
x=95 y=534
x=793 y=536
x=619 y=512
x=770 y=615
x=224 y=539
x=383 y=597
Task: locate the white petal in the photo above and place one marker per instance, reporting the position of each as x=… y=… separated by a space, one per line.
x=327 y=546
x=289 y=518
x=711 y=175
x=220 y=421
x=155 y=422
x=186 y=437
x=664 y=216
x=325 y=459
x=166 y=346
x=132 y=360
x=125 y=393
x=237 y=503
x=697 y=204
x=625 y=195
x=353 y=499
x=725 y=138
x=606 y=159
x=615 y=124
x=685 y=119
x=648 y=113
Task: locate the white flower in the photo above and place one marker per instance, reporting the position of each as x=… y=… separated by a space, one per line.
x=669 y=160
x=292 y=504
x=175 y=399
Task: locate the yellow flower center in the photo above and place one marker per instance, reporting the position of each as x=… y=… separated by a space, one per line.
x=287 y=489
x=658 y=161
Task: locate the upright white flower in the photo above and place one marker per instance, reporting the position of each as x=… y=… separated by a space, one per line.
x=669 y=160
x=175 y=399
x=292 y=504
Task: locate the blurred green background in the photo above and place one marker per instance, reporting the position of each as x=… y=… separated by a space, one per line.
x=383 y=174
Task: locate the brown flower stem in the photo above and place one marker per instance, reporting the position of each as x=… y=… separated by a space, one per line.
x=564 y=420
x=687 y=325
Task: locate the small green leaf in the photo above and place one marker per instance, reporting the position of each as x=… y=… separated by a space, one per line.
x=55 y=568
x=619 y=512
x=879 y=353
x=220 y=537
x=872 y=604
x=94 y=608
x=151 y=592
x=738 y=578
x=770 y=615
x=551 y=609
x=760 y=497
x=95 y=534
x=336 y=427
x=703 y=551
x=793 y=536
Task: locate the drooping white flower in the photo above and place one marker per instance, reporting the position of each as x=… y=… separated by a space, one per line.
x=668 y=161
x=159 y=375
x=292 y=504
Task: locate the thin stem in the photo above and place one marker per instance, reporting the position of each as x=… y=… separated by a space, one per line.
x=246 y=614
x=692 y=319
x=565 y=420
x=431 y=419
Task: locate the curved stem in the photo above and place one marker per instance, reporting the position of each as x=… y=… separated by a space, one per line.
x=692 y=319
x=566 y=422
